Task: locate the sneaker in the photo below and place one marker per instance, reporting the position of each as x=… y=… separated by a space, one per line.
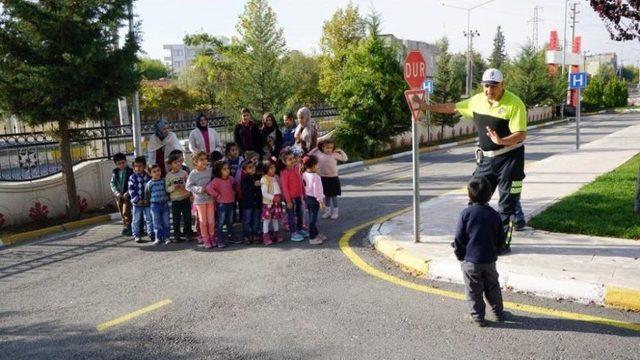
x=126 y=231
x=316 y=241
x=327 y=214
x=157 y=242
x=323 y=237
x=478 y=322
x=266 y=239
x=334 y=214
x=221 y=244
x=167 y=241
x=138 y=239
x=304 y=233
x=501 y=317
x=297 y=236
x=236 y=241
x=208 y=245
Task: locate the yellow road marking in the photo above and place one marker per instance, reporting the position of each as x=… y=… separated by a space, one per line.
x=364 y=266
x=131 y=315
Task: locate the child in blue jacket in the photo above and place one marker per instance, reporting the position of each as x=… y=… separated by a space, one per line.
x=141 y=204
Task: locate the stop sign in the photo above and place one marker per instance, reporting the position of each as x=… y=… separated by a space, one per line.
x=415 y=69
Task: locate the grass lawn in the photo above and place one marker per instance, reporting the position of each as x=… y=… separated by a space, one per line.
x=602 y=208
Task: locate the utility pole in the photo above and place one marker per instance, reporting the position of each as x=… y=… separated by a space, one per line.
x=535 y=21
x=469 y=34
x=135 y=106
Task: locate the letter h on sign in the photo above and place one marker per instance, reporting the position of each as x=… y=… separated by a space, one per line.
x=578 y=80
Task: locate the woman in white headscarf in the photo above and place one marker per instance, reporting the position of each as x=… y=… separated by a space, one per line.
x=161 y=144
x=204 y=138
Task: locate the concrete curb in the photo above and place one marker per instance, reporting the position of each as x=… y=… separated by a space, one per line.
x=583 y=292
x=429 y=149
x=69 y=226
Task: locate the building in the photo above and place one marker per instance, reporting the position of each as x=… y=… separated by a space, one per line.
x=180 y=56
x=594 y=62
x=429 y=51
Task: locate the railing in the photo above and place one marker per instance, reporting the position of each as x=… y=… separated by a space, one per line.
x=35 y=155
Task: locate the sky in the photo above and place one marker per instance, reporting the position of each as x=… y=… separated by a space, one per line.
x=168 y=21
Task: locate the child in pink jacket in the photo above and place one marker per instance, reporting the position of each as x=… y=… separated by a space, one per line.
x=328 y=157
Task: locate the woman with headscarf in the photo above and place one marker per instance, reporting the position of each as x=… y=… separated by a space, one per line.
x=161 y=144
x=203 y=137
x=306 y=134
x=271 y=135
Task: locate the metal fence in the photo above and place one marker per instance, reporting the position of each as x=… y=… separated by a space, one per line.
x=35 y=155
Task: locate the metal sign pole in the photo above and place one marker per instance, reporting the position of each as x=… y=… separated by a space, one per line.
x=416 y=180
x=578 y=92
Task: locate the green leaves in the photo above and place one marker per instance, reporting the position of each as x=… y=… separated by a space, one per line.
x=369 y=94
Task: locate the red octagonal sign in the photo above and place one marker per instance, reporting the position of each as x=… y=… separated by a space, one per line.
x=415 y=69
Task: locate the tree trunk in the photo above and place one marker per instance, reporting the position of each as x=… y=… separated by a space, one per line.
x=637 y=204
x=73 y=211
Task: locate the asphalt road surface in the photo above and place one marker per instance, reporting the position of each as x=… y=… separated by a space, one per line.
x=289 y=301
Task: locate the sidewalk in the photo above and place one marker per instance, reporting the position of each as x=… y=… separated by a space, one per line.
x=581 y=268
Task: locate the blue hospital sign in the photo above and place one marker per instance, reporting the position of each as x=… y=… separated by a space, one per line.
x=427 y=86
x=578 y=80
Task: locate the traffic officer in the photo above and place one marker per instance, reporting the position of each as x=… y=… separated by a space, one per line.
x=501 y=119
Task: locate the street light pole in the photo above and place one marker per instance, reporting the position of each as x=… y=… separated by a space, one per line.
x=135 y=106
x=469 y=34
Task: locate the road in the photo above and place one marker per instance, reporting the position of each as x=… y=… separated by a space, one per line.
x=290 y=301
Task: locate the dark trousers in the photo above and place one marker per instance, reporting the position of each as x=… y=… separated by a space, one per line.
x=295 y=215
x=481 y=279
x=314 y=207
x=224 y=218
x=251 y=221
x=505 y=172
x=181 y=209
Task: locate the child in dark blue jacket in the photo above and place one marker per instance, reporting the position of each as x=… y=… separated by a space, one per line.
x=478 y=235
x=250 y=202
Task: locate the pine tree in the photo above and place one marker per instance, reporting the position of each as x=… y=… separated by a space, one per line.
x=260 y=68
x=370 y=95
x=528 y=78
x=449 y=83
x=59 y=65
x=498 y=56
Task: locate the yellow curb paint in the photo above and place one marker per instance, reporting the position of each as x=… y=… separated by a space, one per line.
x=30 y=235
x=18 y=238
x=132 y=315
x=85 y=222
x=402 y=257
x=623 y=298
x=364 y=266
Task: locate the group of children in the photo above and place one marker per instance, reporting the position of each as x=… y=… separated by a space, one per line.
x=224 y=189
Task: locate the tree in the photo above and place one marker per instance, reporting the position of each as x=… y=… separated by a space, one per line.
x=615 y=93
x=592 y=95
x=449 y=83
x=301 y=76
x=528 y=77
x=370 y=95
x=214 y=73
x=58 y=64
x=260 y=68
x=152 y=69
x=622 y=17
x=498 y=55
x=165 y=100
x=479 y=66
x=340 y=35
